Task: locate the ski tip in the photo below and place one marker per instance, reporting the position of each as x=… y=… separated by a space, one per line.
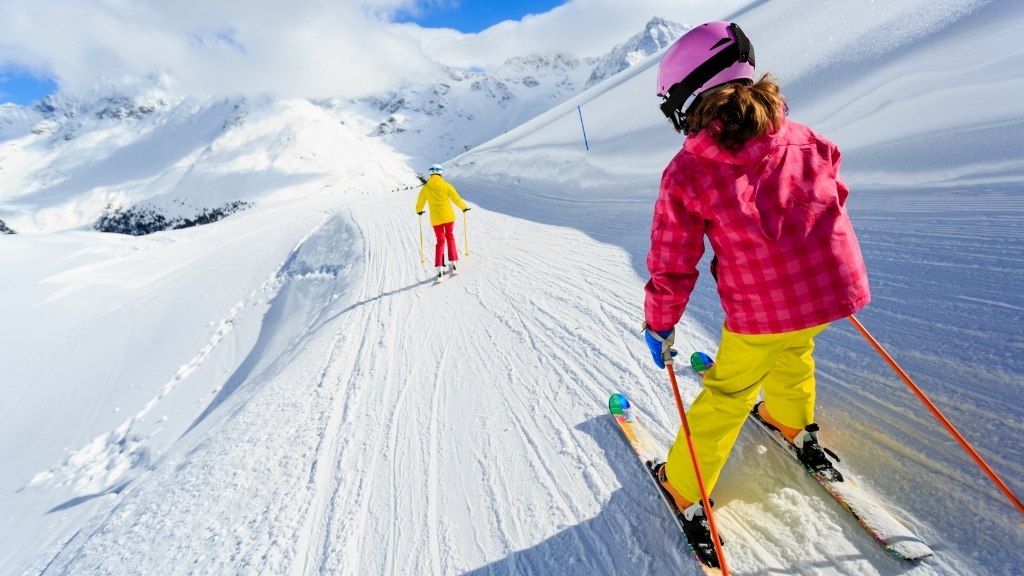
x=618 y=403
x=701 y=362
x=910 y=549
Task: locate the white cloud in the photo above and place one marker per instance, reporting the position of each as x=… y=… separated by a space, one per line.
x=310 y=48
x=578 y=27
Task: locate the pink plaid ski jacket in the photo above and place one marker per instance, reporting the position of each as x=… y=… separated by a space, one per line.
x=775 y=215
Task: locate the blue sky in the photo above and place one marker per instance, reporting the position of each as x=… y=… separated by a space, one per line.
x=476 y=15
x=21 y=87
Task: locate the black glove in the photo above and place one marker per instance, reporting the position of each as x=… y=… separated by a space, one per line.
x=465 y=209
x=421 y=212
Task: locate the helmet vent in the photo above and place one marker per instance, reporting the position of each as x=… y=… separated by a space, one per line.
x=721 y=42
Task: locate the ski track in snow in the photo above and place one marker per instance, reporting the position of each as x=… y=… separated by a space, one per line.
x=421 y=428
x=374 y=450
x=379 y=408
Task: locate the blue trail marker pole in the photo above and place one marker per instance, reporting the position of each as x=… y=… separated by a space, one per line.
x=585 y=143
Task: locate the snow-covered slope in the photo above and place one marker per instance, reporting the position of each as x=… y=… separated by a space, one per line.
x=177 y=157
x=285 y=392
x=915 y=94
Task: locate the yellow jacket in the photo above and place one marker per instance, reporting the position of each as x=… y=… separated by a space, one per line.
x=439 y=194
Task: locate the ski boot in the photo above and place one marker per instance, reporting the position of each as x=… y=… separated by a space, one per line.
x=805 y=444
x=691 y=517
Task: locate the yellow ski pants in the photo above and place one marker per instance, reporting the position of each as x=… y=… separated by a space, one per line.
x=779 y=364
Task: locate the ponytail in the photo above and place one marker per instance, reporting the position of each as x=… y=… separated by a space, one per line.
x=736 y=113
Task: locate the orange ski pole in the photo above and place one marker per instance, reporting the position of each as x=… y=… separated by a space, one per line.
x=705 y=501
x=938 y=415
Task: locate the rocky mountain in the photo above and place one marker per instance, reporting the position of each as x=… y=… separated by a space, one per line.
x=441 y=118
x=657 y=35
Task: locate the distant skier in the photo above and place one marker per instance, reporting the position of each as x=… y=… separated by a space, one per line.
x=440 y=195
x=766 y=192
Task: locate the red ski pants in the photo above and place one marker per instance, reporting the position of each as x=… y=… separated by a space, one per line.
x=445 y=234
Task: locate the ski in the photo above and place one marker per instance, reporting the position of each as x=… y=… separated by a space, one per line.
x=649 y=454
x=883 y=525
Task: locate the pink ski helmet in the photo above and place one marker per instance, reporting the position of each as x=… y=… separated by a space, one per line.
x=705 y=57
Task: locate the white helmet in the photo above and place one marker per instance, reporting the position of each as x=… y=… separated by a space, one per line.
x=436 y=169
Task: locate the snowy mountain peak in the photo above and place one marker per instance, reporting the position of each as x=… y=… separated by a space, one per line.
x=467 y=107
x=658 y=34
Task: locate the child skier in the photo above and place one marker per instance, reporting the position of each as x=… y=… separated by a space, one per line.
x=766 y=192
x=440 y=195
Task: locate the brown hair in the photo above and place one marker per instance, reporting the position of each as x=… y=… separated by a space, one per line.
x=743 y=111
